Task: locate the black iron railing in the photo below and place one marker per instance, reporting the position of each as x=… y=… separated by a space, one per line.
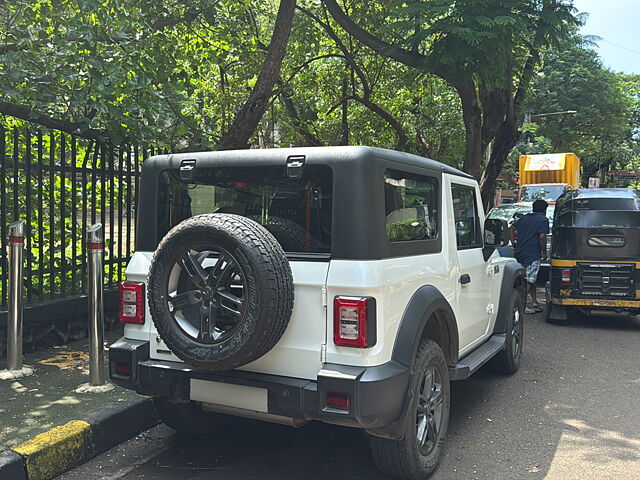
x=61 y=184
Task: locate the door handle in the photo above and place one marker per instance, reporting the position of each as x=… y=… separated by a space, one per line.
x=465 y=278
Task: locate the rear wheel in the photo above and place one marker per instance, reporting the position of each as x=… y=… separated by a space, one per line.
x=508 y=361
x=417 y=454
x=188 y=417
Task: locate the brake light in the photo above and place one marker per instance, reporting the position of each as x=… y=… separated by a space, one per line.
x=132 y=302
x=566 y=277
x=338 y=401
x=122 y=369
x=354 y=321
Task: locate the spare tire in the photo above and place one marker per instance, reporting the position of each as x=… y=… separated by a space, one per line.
x=290 y=235
x=220 y=291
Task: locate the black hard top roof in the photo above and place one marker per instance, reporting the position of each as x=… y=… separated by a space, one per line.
x=602 y=193
x=623 y=199
x=313 y=155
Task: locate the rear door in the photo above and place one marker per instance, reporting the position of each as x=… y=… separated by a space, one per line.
x=297 y=354
x=297 y=211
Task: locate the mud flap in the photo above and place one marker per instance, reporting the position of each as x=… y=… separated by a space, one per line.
x=556 y=312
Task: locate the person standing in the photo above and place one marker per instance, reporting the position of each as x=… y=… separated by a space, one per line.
x=531 y=231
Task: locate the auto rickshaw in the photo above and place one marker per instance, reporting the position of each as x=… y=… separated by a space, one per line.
x=595 y=253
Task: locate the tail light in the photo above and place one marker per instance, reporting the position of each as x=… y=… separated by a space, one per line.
x=566 y=277
x=354 y=321
x=132 y=302
x=338 y=401
x=123 y=369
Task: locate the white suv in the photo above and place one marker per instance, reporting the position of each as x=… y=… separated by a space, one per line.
x=347 y=285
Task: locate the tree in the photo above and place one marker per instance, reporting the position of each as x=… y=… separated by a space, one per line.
x=141 y=71
x=602 y=130
x=247 y=118
x=487 y=51
x=92 y=67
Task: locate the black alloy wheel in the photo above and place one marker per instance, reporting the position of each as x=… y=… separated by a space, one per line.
x=209 y=301
x=429 y=413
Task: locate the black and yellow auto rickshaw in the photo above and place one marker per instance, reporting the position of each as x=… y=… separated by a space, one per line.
x=595 y=253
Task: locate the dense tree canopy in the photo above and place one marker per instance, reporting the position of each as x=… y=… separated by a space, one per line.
x=601 y=131
x=448 y=80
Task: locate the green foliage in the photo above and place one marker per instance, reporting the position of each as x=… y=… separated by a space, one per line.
x=174 y=73
x=37 y=192
x=408 y=230
x=603 y=132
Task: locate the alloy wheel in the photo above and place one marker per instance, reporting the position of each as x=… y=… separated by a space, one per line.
x=208 y=301
x=430 y=409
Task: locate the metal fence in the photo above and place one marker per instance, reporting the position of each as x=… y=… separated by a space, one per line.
x=61 y=184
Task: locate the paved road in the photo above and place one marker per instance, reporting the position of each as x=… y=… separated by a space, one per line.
x=571 y=412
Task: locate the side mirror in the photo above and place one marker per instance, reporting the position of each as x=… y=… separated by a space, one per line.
x=496 y=232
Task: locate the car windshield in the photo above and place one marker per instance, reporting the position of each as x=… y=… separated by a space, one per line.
x=297 y=212
x=550 y=193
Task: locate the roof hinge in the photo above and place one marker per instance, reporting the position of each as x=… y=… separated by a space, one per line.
x=187 y=170
x=295 y=165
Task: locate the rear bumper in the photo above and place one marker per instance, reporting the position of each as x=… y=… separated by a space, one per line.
x=378 y=395
x=596 y=303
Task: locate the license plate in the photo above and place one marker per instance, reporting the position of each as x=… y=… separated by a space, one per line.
x=229 y=395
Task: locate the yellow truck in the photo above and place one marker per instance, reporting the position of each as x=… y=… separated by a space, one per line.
x=548 y=176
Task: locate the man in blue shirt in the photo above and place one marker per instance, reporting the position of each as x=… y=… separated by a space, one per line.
x=531 y=231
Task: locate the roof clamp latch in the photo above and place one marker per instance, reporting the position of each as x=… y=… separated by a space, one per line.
x=295 y=165
x=187 y=170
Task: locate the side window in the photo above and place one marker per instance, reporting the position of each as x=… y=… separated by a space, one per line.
x=411 y=206
x=466 y=221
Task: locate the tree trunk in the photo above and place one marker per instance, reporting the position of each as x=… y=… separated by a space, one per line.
x=344 y=129
x=247 y=119
x=472 y=118
x=505 y=140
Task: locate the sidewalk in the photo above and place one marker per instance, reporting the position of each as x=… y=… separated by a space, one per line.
x=46 y=405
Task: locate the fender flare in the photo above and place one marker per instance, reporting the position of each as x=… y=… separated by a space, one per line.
x=427 y=305
x=512 y=277
x=427 y=310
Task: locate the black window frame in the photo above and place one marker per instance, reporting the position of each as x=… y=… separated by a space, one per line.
x=479 y=234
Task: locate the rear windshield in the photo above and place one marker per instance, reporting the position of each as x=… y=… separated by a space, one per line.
x=296 y=211
x=549 y=193
x=600 y=219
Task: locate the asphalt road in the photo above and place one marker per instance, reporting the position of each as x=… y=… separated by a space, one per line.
x=571 y=412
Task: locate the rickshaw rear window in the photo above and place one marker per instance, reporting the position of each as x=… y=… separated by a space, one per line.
x=600 y=219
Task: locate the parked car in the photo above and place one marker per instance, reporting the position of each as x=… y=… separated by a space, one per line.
x=594 y=259
x=347 y=285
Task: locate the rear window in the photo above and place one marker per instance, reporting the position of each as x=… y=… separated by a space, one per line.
x=296 y=211
x=411 y=206
x=599 y=219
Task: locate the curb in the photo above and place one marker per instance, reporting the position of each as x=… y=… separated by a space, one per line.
x=62 y=448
